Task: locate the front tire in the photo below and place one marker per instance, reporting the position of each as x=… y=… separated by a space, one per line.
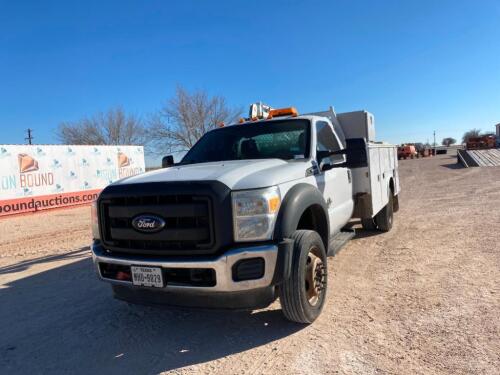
x=302 y=295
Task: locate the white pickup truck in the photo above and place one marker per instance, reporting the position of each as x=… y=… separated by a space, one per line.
x=250 y=214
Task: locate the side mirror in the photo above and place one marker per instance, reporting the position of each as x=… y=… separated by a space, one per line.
x=167 y=161
x=320 y=155
x=355 y=152
x=356 y=155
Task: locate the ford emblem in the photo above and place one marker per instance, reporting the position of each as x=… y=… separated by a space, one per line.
x=148 y=223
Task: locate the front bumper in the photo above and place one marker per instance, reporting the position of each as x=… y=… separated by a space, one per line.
x=275 y=258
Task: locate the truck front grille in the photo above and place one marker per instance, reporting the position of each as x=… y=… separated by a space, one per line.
x=188 y=228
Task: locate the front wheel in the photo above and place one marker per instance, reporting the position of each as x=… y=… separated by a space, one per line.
x=302 y=295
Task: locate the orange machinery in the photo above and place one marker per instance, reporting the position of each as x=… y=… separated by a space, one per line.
x=479 y=143
x=406 y=151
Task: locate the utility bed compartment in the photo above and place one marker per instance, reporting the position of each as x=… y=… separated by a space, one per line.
x=358 y=124
x=371 y=184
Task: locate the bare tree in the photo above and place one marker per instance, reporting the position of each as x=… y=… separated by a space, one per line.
x=114 y=127
x=448 y=141
x=186 y=117
x=471 y=133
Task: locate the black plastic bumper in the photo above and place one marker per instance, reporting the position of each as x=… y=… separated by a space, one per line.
x=245 y=300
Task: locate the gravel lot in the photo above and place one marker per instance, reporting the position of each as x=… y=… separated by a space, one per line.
x=421 y=299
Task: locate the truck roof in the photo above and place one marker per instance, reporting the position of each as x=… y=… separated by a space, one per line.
x=249 y=121
x=356 y=124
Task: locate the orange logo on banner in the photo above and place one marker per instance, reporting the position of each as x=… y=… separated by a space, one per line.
x=123 y=160
x=27 y=163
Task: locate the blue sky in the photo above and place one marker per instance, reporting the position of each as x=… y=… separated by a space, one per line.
x=418 y=66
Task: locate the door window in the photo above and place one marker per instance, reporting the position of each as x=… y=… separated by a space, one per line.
x=327 y=141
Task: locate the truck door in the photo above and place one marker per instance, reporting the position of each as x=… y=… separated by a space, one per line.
x=335 y=183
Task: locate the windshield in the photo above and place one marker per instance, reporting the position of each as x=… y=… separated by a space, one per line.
x=286 y=139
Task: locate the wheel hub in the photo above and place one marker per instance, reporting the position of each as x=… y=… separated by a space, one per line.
x=315 y=277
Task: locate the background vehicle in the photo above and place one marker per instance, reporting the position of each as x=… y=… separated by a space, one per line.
x=249 y=214
x=422 y=150
x=406 y=151
x=483 y=142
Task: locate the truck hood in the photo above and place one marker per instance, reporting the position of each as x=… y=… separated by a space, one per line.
x=235 y=174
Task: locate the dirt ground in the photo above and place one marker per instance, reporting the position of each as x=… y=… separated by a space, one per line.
x=421 y=299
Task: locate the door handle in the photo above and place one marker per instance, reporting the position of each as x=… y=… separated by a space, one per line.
x=329 y=202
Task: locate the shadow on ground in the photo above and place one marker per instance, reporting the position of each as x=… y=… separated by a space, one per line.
x=64 y=320
x=453 y=166
x=363 y=233
x=360 y=232
x=24 y=265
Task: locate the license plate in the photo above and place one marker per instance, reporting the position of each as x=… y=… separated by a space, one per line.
x=147 y=276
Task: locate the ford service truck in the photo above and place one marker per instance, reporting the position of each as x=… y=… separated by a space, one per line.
x=249 y=214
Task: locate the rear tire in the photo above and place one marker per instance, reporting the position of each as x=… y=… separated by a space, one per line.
x=302 y=295
x=368 y=224
x=385 y=217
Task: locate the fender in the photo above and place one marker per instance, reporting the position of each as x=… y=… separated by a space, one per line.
x=297 y=200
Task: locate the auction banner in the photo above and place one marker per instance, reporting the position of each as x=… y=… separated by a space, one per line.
x=40 y=177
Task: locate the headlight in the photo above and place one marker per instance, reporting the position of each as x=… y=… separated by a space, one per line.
x=254 y=213
x=94 y=221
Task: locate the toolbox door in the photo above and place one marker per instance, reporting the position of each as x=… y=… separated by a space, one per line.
x=376 y=179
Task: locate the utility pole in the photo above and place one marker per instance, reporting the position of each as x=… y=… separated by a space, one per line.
x=29 y=137
x=434 y=138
